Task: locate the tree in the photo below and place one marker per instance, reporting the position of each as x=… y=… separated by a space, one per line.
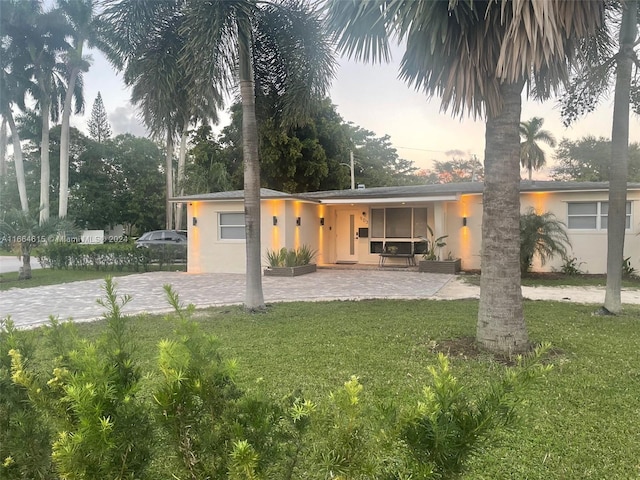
x=99 y=127
x=541 y=235
x=285 y=48
x=587 y=160
x=478 y=56
x=591 y=82
x=15 y=81
x=456 y=170
x=532 y=157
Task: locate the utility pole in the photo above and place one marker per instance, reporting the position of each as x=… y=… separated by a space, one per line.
x=353 y=176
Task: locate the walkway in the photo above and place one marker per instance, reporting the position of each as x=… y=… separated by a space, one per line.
x=32 y=307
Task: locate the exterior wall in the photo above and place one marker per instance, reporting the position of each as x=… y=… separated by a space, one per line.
x=206 y=252
x=589 y=247
x=209 y=254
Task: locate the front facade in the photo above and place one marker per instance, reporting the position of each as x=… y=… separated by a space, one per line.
x=354 y=226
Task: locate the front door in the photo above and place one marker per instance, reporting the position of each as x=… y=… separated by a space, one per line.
x=347 y=237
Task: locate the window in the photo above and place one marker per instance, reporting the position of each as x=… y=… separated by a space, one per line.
x=396 y=223
x=591 y=215
x=231 y=226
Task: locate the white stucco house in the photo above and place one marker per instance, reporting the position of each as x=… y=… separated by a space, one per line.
x=352 y=226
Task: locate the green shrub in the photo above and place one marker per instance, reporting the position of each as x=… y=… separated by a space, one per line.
x=294 y=257
x=107 y=256
x=542 y=235
x=91 y=401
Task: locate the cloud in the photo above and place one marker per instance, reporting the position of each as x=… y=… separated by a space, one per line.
x=124 y=120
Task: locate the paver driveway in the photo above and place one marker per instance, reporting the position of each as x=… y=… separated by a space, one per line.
x=77 y=300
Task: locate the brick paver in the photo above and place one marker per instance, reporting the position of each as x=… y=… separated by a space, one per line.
x=33 y=306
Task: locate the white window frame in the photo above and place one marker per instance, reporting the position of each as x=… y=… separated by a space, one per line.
x=598 y=216
x=222 y=227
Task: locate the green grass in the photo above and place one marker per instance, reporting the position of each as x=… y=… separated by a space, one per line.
x=47 y=276
x=582 y=420
x=560 y=280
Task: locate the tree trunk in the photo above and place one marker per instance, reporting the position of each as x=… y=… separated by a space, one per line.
x=254 y=298
x=25 y=270
x=64 y=145
x=501 y=327
x=3 y=148
x=168 y=166
x=45 y=169
x=18 y=163
x=182 y=155
x=618 y=165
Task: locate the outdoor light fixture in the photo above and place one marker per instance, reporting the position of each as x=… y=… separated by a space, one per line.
x=298 y=221
x=321 y=221
x=275 y=220
x=194 y=220
x=464 y=221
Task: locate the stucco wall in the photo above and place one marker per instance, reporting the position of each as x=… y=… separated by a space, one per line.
x=210 y=254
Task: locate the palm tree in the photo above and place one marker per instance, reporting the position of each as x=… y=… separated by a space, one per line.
x=477 y=56
x=81 y=17
x=590 y=83
x=276 y=50
x=542 y=235
x=532 y=156
x=225 y=44
x=15 y=81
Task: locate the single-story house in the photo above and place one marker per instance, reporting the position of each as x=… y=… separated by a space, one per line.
x=353 y=226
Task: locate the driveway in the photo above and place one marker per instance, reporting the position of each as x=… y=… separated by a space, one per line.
x=77 y=300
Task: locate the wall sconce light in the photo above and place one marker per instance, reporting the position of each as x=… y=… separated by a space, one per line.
x=194 y=221
x=464 y=221
x=298 y=221
x=275 y=220
x=322 y=221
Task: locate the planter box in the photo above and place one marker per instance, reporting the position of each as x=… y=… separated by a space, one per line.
x=440 y=266
x=289 y=271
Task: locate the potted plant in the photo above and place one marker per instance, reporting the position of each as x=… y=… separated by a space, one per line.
x=431 y=262
x=290 y=262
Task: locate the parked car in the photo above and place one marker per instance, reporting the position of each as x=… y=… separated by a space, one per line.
x=171 y=244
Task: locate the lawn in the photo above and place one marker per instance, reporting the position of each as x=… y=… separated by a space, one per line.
x=582 y=419
x=50 y=276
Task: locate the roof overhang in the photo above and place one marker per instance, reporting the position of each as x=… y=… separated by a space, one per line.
x=388 y=200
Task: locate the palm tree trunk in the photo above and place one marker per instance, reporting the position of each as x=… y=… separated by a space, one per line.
x=64 y=145
x=254 y=298
x=18 y=163
x=45 y=168
x=168 y=166
x=618 y=166
x=24 y=272
x=3 y=148
x=181 y=165
x=501 y=326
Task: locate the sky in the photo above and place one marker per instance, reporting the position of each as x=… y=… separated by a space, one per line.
x=372 y=97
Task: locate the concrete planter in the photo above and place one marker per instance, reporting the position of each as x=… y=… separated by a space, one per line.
x=289 y=271
x=440 y=266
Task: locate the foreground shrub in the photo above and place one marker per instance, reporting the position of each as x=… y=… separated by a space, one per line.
x=101 y=416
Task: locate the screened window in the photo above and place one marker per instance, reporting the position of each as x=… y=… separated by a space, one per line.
x=231 y=226
x=394 y=222
x=591 y=215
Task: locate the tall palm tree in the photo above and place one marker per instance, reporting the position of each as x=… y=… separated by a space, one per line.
x=478 y=56
x=151 y=60
x=606 y=57
x=275 y=49
x=532 y=157
x=81 y=16
x=15 y=81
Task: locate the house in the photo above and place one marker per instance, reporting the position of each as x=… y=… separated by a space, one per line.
x=353 y=226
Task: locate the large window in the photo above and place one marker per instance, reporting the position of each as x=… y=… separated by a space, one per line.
x=231 y=226
x=591 y=215
x=398 y=224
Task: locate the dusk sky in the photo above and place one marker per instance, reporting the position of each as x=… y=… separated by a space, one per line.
x=372 y=97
